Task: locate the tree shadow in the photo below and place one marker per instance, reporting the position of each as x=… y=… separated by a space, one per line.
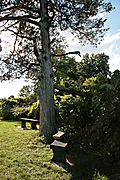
x=7 y=120
x=82 y=165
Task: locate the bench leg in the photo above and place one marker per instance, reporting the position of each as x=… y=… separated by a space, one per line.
x=59 y=154
x=33 y=125
x=23 y=124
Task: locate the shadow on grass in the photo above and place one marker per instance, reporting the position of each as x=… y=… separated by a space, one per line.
x=7 y=120
x=82 y=165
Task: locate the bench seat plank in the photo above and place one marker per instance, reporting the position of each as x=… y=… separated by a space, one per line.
x=33 y=122
x=29 y=120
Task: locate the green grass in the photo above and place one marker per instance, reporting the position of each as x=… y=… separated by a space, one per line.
x=23 y=155
x=26 y=156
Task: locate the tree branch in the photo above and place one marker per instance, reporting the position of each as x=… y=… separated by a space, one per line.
x=11 y=25
x=21 y=18
x=74 y=52
x=70 y=91
x=21 y=36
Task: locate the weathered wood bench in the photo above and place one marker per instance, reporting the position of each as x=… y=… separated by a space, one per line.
x=33 y=122
x=59 y=147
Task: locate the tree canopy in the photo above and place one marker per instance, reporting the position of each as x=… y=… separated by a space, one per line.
x=35 y=26
x=24 y=18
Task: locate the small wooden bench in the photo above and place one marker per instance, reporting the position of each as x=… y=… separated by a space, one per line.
x=33 y=122
x=59 y=146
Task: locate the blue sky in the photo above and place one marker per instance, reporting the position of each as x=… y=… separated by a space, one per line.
x=111 y=43
x=110 y=46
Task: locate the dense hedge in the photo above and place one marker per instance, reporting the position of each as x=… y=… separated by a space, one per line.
x=96 y=118
x=14 y=108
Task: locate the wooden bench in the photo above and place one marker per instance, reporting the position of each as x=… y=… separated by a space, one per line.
x=33 y=122
x=59 y=146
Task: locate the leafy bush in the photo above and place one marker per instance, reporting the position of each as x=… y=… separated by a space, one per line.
x=0 y=107
x=34 y=110
x=16 y=108
x=97 y=176
x=68 y=112
x=105 y=129
x=19 y=112
x=95 y=117
x=7 y=105
x=74 y=112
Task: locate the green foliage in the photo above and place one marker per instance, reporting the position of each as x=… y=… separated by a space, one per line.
x=65 y=70
x=1 y=107
x=105 y=129
x=95 y=117
x=7 y=105
x=92 y=66
x=68 y=113
x=26 y=105
x=97 y=176
x=19 y=112
x=26 y=96
x=34 y=110
x=76 y=112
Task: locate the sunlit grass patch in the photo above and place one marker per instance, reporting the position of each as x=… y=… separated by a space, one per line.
x=24 y=156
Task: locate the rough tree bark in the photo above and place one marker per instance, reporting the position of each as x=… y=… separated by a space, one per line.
x=46 y=88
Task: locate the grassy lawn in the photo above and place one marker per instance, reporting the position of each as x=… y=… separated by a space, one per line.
x=24 y=155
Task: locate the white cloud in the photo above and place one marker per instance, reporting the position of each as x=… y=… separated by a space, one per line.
x=111 y=39
x=116 y=47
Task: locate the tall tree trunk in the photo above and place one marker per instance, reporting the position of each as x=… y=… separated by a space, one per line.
x=46 y=88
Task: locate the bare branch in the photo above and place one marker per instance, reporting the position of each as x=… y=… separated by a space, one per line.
x=74 y=52
x=70 y=91
x=21 y=18
x=11 y=25
x=33 y=64
x=21 y=36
